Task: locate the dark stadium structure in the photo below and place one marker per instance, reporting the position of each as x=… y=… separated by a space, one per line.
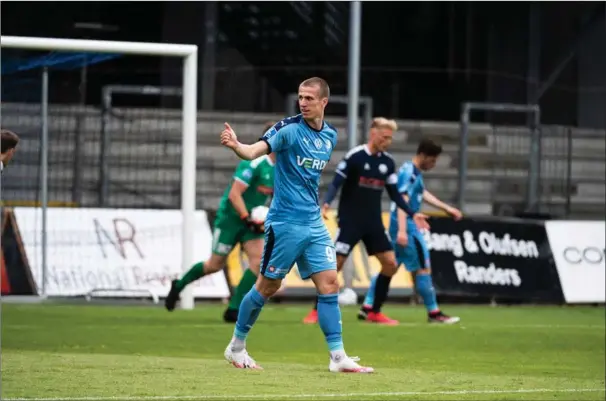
x=420 y=60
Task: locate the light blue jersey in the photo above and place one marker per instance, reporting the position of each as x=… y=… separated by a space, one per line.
x=415 y=255
x=410 y=182
x=294 y=229
x=301 y=154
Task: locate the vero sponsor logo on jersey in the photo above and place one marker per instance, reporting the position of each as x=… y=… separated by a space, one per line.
x=308 y=162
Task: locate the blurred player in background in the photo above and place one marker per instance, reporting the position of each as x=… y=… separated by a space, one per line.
x=294 y=229
x=363 y=174
x=8 y=142
x=408 y=240
x=252 y=186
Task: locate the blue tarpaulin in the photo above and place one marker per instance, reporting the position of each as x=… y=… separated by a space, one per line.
x=54 y=60
x=22 y=78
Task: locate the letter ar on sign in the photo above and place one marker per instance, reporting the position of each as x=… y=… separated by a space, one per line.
x=123 y=232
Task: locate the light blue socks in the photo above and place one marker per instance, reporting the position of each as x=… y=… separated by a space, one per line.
x=250 y=308
x=329 y=318
x=427 y=292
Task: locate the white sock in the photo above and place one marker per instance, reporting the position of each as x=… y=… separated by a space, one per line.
x=338 y=356
x=237 y=345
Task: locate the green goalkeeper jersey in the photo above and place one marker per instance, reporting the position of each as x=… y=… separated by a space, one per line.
x=258 y=175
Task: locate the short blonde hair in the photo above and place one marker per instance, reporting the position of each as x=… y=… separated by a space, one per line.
x=382 y=122
x=313 y=81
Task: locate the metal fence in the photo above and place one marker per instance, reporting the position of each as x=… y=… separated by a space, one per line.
x=124 y=150
x=508 y=153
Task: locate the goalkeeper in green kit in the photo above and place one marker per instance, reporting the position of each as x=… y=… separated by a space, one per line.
x=251 y=186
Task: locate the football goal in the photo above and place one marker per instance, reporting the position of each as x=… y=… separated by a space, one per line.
x=13 y=113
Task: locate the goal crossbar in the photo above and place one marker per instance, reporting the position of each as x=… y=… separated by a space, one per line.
x=189 y=53
x=99 y=46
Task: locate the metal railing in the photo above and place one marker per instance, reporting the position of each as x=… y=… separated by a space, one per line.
x=125 y=151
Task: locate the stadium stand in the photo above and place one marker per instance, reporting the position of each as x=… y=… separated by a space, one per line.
x=144 y=159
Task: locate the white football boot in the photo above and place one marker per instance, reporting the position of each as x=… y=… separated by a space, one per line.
x=440 y=317
x=348 y=365
x=240 y=359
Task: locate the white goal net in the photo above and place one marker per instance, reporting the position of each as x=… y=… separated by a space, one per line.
x=81 y=248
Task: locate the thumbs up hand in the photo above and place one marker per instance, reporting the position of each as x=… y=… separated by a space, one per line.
x=229 y=138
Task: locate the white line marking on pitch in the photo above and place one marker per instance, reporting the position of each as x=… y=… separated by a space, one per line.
x=296 y=396
x=462 y=325
x=437 y=326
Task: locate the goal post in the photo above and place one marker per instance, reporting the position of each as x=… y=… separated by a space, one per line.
x=189 y=54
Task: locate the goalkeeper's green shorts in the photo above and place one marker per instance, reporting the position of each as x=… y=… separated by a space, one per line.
x=229 y=231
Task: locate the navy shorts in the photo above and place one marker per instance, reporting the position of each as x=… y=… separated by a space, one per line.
x=372 y=234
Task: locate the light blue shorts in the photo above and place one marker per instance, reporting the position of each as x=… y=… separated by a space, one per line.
x=415 y=255
x=311 y=248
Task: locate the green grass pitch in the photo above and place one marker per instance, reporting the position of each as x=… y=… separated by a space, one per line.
x=94 y=352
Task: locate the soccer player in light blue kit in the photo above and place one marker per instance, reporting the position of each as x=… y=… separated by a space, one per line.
x=294 y=229
x=408 y=240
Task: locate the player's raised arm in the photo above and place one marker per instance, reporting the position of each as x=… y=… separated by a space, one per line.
x=435 y=202
x=246 y=152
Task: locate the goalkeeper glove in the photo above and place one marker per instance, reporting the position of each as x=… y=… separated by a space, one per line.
x=254 y=226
